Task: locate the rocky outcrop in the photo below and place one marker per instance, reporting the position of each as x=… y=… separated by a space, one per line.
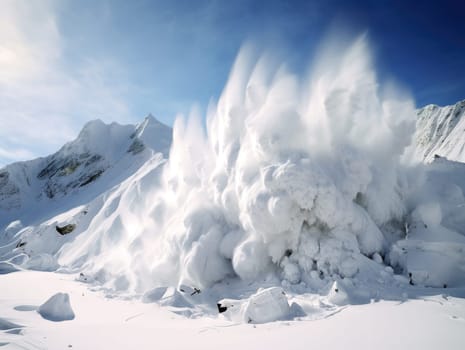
x=64 y=230
x=9 y=192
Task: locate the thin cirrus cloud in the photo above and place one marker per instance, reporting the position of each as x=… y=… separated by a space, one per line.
x=43 y=100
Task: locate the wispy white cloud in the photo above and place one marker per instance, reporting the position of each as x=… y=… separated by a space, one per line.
x=13 y=154
x=44 y=99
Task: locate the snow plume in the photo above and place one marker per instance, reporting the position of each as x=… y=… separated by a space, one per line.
x=294 y=176
x=291 y=178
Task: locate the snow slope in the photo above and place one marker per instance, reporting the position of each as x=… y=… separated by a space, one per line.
x=441 y=131
x=60 y=191
x=101 y=157
x=78 y=164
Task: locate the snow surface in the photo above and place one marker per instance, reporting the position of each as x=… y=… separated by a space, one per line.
x=420 y=322
x=302 y=199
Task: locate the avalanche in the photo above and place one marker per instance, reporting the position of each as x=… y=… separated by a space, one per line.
x=309 y=184
x=288 y=178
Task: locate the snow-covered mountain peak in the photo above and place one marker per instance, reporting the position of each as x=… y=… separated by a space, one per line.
x=113 y=151
x=100 y=138
x=441 y=131
x=154 y=134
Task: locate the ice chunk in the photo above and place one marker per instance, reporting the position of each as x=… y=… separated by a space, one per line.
x=338 y=295
x=267 y=306
x=57 y=308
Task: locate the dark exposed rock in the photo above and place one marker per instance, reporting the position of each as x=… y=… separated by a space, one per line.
x=49 y=191
x=67 y=166
x=410 y=279
x=9 y=192
x=221 y=308
x=6 y=186
x=87 y=179
x=64 y=230
x=196 y=291
x=95 y=158
x=49 y=170
x=136 y=146
x=70 y=168
x=4 y=177
x=20 y=244
x=78 y=170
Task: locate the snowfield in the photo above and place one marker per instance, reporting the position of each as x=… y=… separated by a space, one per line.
x=422 y=322
x=318 y=211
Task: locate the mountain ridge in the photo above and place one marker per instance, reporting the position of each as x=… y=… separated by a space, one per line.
x=440 y=131
x=78 y=164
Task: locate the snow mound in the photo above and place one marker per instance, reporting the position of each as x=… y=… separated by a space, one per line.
x=57 y=308
x=267 y=306
x=338 y=295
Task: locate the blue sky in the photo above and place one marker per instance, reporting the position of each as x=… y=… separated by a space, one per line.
x=65 y=62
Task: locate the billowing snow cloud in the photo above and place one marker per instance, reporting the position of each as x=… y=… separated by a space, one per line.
x=290 y=174
x=292 y=177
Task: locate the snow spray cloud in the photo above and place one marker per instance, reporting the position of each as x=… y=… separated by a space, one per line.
x=292 y=176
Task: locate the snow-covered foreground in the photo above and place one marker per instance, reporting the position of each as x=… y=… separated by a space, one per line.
x=429 y=322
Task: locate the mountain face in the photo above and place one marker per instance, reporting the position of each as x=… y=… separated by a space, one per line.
x=100 y=157
x=441 y=131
